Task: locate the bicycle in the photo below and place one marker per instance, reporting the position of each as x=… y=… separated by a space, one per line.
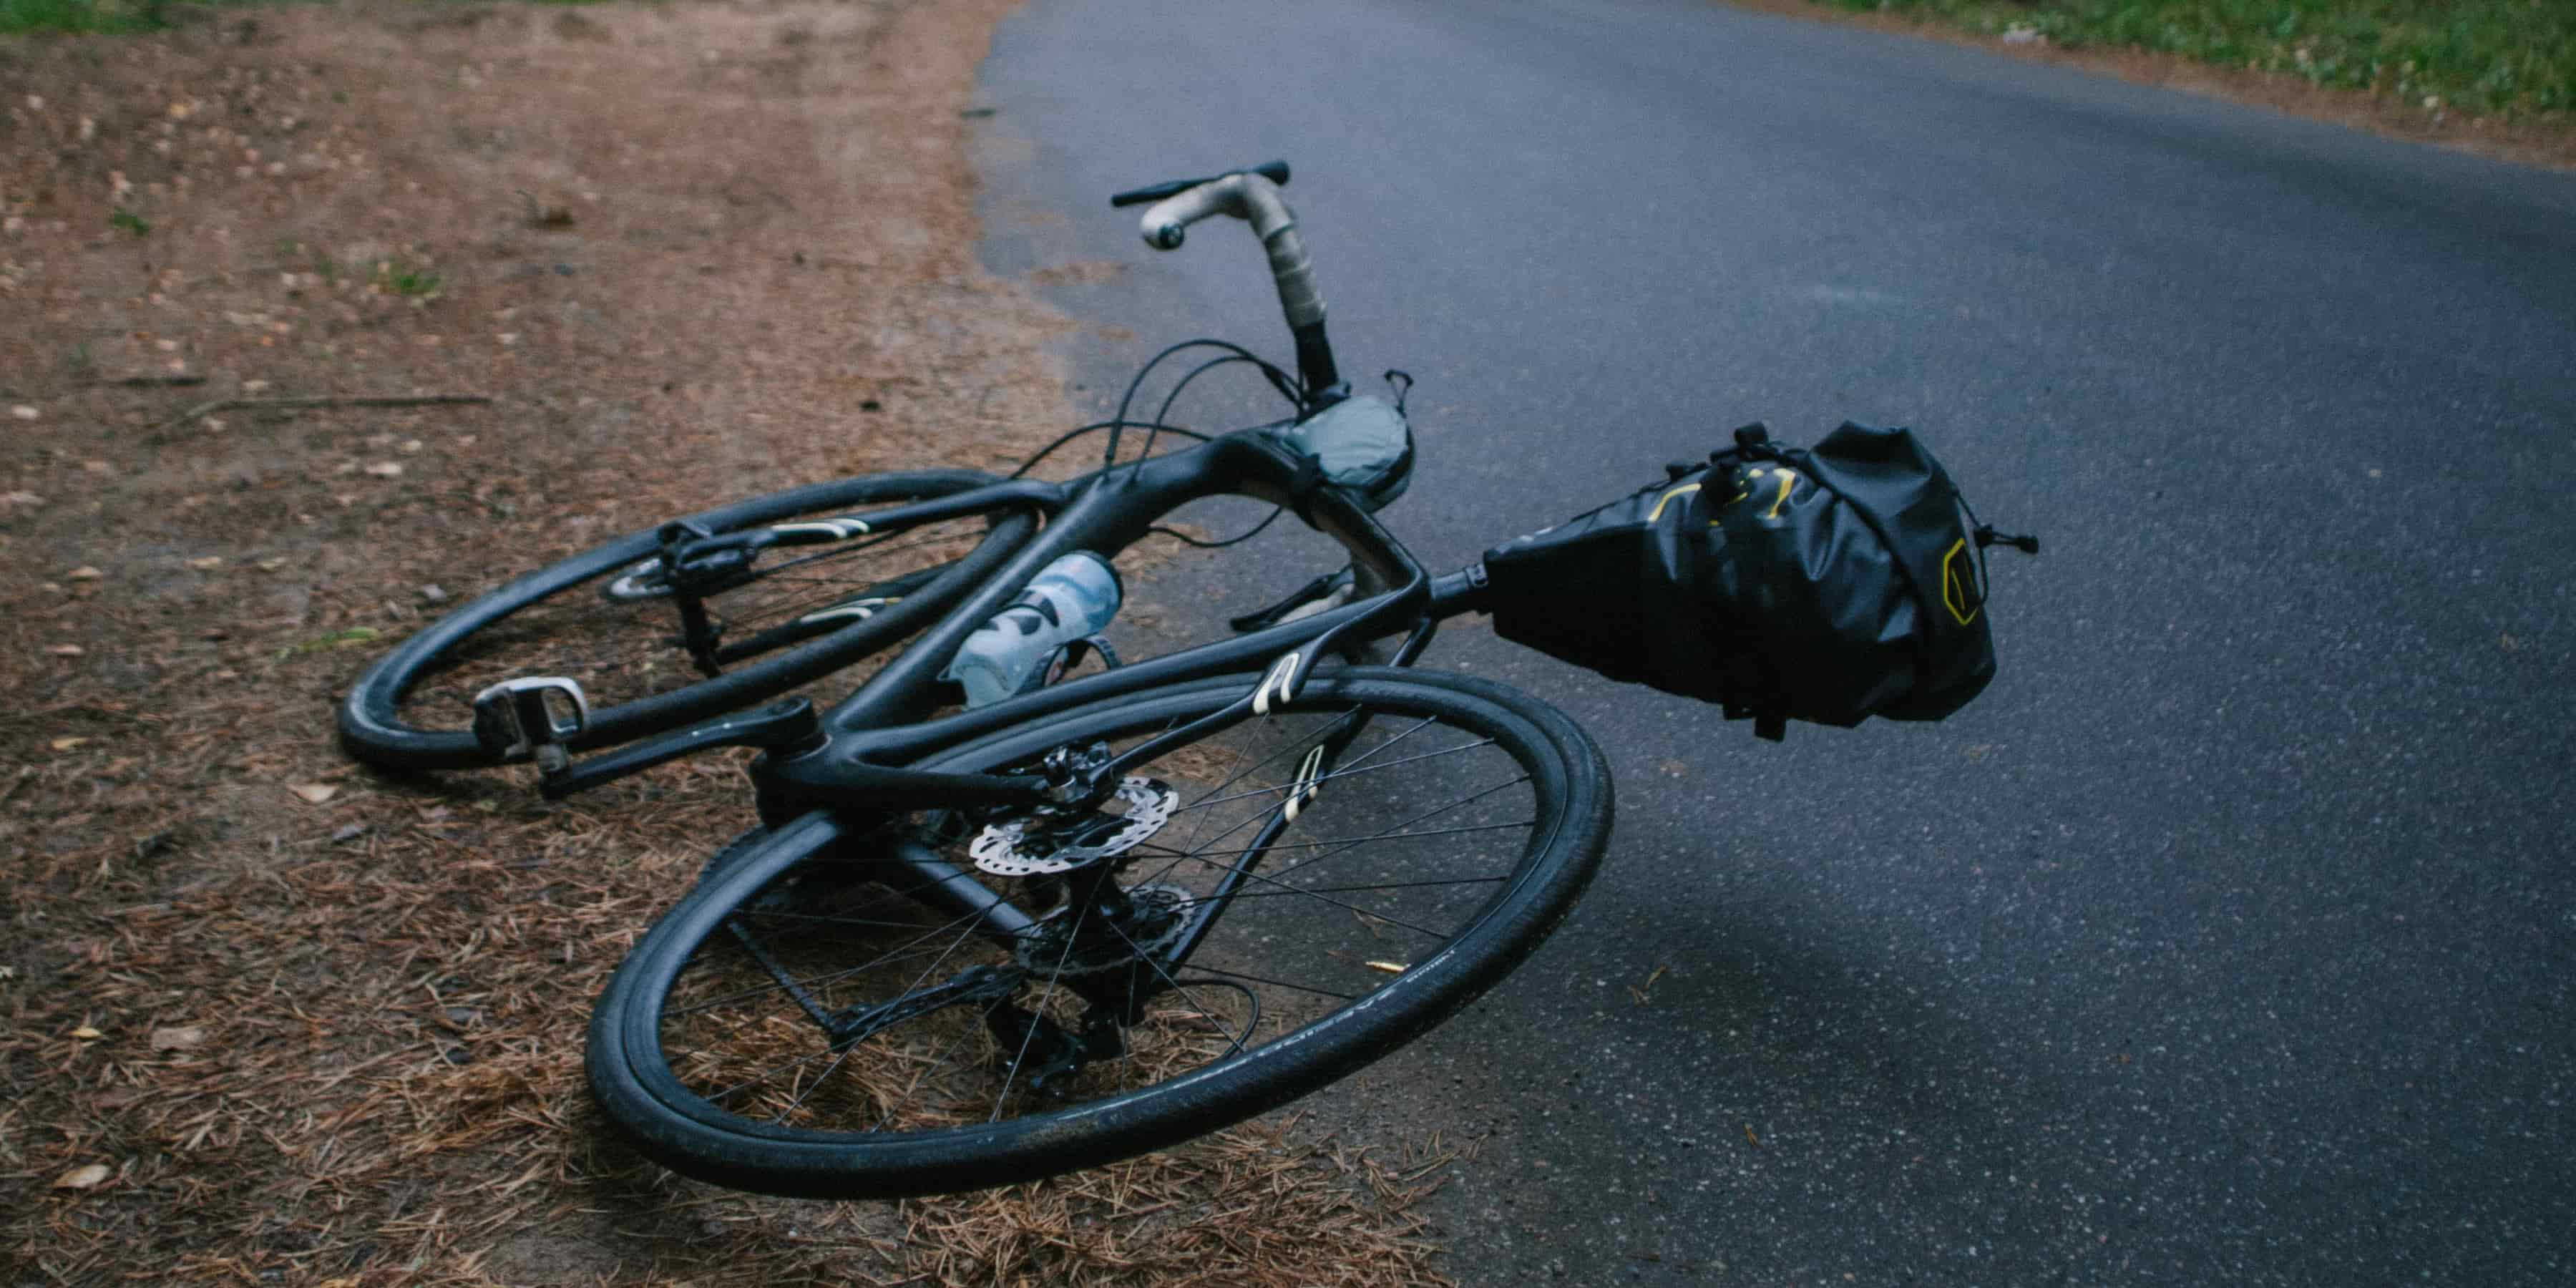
x=1106 y=916
x=970 y=948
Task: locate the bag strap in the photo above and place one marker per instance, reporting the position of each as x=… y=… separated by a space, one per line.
x=1753 y=442
x=1770 y=711
x=1303 y=485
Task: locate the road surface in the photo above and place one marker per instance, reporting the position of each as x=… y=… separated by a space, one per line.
x=2228 y=938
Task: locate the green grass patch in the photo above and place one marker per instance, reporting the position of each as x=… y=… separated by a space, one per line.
x=2494 y=56
x=21 y=16
x=407 y=280
x=126 y=221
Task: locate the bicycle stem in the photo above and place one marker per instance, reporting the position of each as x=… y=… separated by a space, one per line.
x=1253 y=198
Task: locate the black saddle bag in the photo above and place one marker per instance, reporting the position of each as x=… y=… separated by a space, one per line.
x=1829 y=584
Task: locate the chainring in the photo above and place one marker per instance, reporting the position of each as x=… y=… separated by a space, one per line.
x=1011 y=850
x=1057 y=946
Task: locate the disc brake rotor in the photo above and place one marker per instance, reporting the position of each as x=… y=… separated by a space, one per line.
x=1012 y=850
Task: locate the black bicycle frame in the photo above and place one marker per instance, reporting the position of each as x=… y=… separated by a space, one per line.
x=855 y=762
x=884 y=724
x=861 y=767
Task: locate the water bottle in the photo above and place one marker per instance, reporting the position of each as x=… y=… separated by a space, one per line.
x=1070 y=598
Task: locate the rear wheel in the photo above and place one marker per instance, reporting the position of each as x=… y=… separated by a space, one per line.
x=1256 y=913
x=609 y=620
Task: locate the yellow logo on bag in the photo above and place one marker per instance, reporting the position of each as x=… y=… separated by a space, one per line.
x=1959 y=588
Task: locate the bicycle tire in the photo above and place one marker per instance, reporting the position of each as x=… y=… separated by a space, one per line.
x=665 y=1109
x=376 y=728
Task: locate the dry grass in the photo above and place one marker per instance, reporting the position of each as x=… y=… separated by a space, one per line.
x=266 y=1017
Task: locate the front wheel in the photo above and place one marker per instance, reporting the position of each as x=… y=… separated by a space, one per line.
x=1256 y=912
x=609 y=621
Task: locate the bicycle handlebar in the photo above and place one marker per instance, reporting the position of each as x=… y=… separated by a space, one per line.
x=1274 y=171
x=1253 y=196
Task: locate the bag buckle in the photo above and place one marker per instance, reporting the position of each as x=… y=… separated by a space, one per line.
x=531 y=717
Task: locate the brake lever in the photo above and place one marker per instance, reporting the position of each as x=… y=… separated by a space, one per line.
x=1274 y=171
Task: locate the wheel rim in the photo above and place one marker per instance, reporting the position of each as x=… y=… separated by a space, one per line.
x=1414 y=834
x=618 y=632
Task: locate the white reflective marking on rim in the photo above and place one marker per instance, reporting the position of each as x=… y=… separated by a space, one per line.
x=861 y=609
x=632 y=583
x=839 y=529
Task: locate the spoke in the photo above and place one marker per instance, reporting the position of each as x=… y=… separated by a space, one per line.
x=1300 y=745
x=811 y=1087
x=1391 y=885
x=927 y=971
x=871 y=964
x=862 y=547
x=769 y=965
x=1354 y=908
x=821 y=920
x=1274 y=983
x=1020 y=1061
x=788 y=607
x=1328 y=732
x=1175 y=985
x=1359 y=840
x=1355 y=767
x=835 y=582
x=887 y=958
x=936 y=1061
x=1292 y=747
x=889 y=955
x=766 y=1074
x=1157 y=874
x=1393 y=831
x=1465 y=800
x=1238 y=775
x=842 y=583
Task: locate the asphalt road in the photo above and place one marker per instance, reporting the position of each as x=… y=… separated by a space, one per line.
x=2228 y=938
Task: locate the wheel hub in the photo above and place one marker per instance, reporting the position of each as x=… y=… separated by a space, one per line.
x=1073 y=941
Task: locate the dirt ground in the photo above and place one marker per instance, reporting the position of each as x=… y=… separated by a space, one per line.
x=267 y=1017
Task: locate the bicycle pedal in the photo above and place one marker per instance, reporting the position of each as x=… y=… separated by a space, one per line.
x=531 y=718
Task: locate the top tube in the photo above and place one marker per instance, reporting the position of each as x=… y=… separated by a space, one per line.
x=1109 y=511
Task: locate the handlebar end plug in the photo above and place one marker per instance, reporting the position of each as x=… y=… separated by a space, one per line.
x=1165 y=236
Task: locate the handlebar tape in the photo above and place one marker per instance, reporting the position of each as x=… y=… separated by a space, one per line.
x=1274 y=171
